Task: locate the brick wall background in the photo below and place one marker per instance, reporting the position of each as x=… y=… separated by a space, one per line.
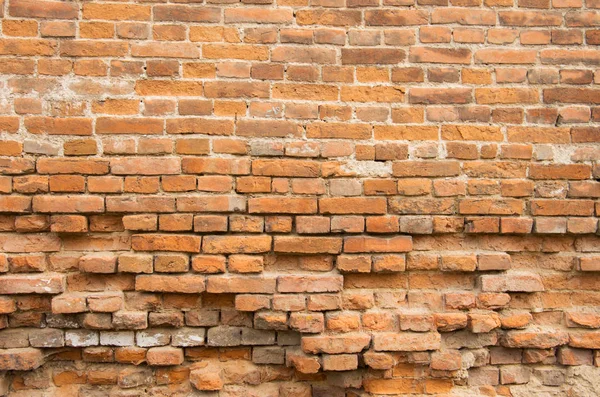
x=300 y=198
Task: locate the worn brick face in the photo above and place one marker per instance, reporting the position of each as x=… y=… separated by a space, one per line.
x=299 y=198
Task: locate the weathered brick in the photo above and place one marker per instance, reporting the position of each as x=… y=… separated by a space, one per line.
x=358 y=205
x=348 y=343
x=237 y=284
x=50 y=9
x=37 y=284
x=374 y=244
x=294 y=205
x=323 y=186
x=535 y=340
x=517 y=282
x=118 y=12
x=308 y=245
x=165 y=242
x=184 y=13
x=237 y=244
x=164 y=356
x=183 y=284
x=406 y=341
x=21 y=359
x=309 y=283
x=395 y=18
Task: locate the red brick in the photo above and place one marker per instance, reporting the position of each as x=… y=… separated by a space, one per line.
x=49 y=9
x=491 y=207
x=15 y=204
x=312 y=245
x=328 y=17
x=93 y=48
x=116 y=12
x=352 y=205
x=426 y=168
x=295 y=54
x=505 y=95
x=265 y=128
x=72 y=166
x=348 y=343
x=378 y=56
x=68 y=224
x=340 y=131
x=535 y=340
x=440 y=55
x=106 y=125
x=340 y=362
x=501 y=56
x=25 y=359
x=374 y=244
x=236 y=244
x=164 y=356
x=529 y=18
x=305 y=91
x=406 y=341
x=518 y=282
x=571 y=95
x=85 y=204
x=185 y=13
x=309 y=283
x=38 y=284
x=215 y=166
x=165 y=242
x=257 y=15
x=395 y=18
x=59 y=126
x=282 y=205
x=241 y=284
x=188 y=284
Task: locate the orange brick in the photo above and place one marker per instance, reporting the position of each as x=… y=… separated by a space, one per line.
x=319 y=186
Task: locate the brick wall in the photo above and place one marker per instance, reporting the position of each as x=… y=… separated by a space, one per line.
x=299 y=198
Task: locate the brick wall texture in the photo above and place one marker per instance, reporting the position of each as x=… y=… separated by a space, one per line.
x=296 y=198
